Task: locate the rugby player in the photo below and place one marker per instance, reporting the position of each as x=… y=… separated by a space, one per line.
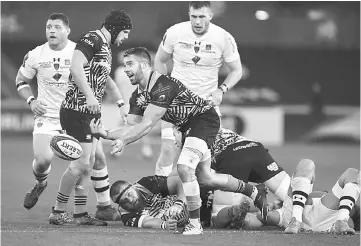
x=198 y=48
x=158 y=97
x=90 y=68
x=50 y=64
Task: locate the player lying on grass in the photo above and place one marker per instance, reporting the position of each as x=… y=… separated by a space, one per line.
x=158 y=202
x=334 y=211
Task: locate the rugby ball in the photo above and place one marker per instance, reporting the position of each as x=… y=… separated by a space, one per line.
x=66 y=147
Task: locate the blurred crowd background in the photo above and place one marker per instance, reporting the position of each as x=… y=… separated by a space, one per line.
x=301 y=62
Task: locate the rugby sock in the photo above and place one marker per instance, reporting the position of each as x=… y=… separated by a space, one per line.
x=238 y=186
x=301 y=188
x=67 y=184
x=81 y=194
x=348 y=199
x=100 y=181
x=41 y=177
x=193 y=198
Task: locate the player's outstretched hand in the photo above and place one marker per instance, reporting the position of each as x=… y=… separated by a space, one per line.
x=96 y=128
x=172 y=224
x=38 y=107
x=117 y=145
x=93 y=105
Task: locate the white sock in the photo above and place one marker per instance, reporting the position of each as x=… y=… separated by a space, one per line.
x=349 y=196
x=41 y=177
x=100 y=181
x=301 y=188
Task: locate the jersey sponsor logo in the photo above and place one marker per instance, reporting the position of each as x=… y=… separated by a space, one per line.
x=197 y=46
x=57 y=76
x=272 y=167
x=87 y=41
x=208 y=47
x=249 y=145
x=161 y=98
x=185 y=45
x=45 y=64
x=56 y=63
x=67 y=61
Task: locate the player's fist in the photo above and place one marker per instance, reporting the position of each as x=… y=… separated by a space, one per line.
x=173 y=211
x=171 y=224
x=118 y=146
x=93 y=105
x=38 y=107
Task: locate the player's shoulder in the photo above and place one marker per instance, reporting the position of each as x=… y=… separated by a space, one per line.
x=93 y=37
x=37 y=50
x=180 y=27
x=71 y=44
x=218 y=31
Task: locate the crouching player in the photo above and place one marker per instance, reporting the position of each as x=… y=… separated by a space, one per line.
x=319 y=211
x=156 y=202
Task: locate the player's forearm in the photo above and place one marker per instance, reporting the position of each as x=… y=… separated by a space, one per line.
x=129 y=134
x=154 y=223
x=114 y=90
x=233 y=78
x=78 y=74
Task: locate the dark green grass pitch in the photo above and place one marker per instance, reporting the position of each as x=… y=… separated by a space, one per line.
x=22 y=227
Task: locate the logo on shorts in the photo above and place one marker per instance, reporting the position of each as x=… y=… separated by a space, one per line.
x=88 y=137
x=272 y=167
x=39 y=124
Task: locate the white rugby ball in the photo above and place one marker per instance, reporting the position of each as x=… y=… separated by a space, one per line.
x=66 y=147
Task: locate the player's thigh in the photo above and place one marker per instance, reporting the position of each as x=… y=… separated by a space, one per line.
x=44 y=129
x=264 y=167
x=166 y=132
x=204 y=126
x=222 y=199
x=77 y=124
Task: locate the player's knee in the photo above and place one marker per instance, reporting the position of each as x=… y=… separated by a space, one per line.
x=351 y=175
x=43 y=159
x=186 y=173
x=305 y=168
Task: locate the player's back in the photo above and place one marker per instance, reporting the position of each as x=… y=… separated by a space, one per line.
x=95 y=48
x=197 y=59
x=52 y=69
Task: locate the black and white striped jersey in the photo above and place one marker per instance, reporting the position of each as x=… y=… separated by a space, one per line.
x=158 y=201
x=167 y=92
x=98 y=52
x=225 y=138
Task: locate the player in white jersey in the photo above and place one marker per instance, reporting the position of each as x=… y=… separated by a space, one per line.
x=50 y=65
x=198 y=49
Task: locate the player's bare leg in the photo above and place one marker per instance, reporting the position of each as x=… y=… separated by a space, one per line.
x=100 y=182
x=164 y=163
x=301 y=183
x=43 y=156
x=279 y=185
x=78 y=169
x=226 y=182
x=345 y=193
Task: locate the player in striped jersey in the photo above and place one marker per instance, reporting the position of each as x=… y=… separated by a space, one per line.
x=90 y=69
x=158 y=97
x=198 y=48
x=152 y=202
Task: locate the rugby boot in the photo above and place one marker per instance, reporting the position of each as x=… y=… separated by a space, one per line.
x=191 y=229
x=87 y=219
x=293 y=227
x=107 y=213
x=60 y=218
x=32 y=196
x=238 y=215
x=261 y=201
x=341 y=227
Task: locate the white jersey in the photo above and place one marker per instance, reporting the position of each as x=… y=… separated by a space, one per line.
x=196 y=60
x=52 y=69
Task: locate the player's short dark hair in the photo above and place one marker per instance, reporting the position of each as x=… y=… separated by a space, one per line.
x=199 y=4
x=60 y=16
x=141 y=52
